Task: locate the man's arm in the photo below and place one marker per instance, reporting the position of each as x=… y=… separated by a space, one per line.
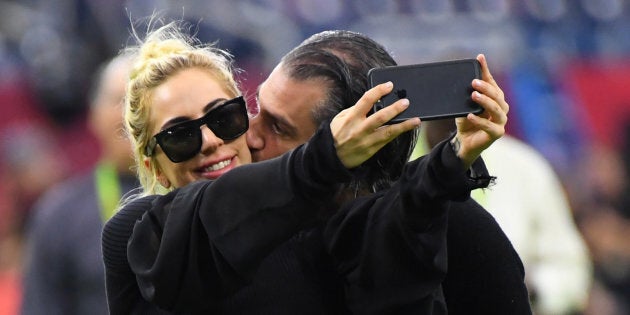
x=391 y=247
x=485 y=274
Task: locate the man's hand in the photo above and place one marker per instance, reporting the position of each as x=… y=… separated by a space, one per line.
x=476 y=133
x=358 y=137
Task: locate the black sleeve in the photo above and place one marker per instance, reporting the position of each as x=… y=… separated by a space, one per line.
x=201 y=242
x=123 y=295
x=485 y=274
x=391 y=247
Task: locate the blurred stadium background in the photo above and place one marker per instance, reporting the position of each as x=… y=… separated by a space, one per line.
x=564 y=65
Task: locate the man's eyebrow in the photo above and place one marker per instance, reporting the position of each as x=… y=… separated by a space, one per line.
x=289 y=128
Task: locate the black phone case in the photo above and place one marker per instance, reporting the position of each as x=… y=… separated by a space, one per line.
x=435 y=90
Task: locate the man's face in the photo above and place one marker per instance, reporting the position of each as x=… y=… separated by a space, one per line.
x=285 y=118
x=106 y=116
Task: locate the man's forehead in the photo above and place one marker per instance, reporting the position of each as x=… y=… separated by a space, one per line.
x=288 y=100
x=273 y=109
x=281 y=94
x=267 y=96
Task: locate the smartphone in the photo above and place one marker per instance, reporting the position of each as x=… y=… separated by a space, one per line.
x=436 y=90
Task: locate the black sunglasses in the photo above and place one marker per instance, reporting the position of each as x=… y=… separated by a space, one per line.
x=182 y=141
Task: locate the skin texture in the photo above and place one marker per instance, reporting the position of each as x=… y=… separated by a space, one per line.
x=186 y=96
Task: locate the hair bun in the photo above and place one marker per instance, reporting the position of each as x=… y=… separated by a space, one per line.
x=155 y=49
x=158 y=49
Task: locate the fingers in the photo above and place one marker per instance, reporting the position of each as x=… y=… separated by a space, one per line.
x=492 y=109
x=376 y=140
x=369 y=98
x=385 y=134
x=388 y=133
x=489 y=95
x=357 y=137
x=478 y=132
x=384 y=115
x=493 y=92
x=494 y=117
x=485 y=70
x=494 y=130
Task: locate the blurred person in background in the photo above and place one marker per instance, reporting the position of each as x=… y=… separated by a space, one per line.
x=30 y=156
x=64 y=272
x=603 y=215
x=531 y=206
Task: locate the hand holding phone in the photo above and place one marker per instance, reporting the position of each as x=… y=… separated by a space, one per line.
x=435 y=90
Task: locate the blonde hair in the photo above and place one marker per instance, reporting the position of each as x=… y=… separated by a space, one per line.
x=163 y=53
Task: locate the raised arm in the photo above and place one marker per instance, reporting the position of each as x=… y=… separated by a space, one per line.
x=391 y=247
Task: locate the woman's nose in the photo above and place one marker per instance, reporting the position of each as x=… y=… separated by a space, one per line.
x=209 y=141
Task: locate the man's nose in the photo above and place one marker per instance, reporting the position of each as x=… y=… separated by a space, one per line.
x=254 y=140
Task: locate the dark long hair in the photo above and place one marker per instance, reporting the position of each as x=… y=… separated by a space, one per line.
x=342 y=59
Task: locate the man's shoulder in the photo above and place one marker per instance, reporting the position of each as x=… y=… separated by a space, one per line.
x=73 y=194
x=74 y=187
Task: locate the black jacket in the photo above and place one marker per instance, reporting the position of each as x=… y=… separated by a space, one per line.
x=251 y=242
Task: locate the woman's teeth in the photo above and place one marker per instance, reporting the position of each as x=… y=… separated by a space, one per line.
x=218 y=166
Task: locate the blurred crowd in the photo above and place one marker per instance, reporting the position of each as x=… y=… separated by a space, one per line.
x=564 y=65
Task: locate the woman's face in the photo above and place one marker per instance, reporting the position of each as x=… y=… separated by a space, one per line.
x=186 y=96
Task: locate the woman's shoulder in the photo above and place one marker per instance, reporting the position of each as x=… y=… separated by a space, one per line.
x=132 y=209
x=119 y=227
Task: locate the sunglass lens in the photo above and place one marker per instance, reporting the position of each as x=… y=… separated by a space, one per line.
x=182 y=143
x=229 y=121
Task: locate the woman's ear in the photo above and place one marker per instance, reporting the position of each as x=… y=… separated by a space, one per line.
x=163 y=180
x=160 y=176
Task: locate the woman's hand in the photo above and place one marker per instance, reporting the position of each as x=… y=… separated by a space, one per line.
x=358 y=137
x=476 y=133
